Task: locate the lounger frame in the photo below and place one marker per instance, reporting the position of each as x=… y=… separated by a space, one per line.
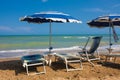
x=68 y=58
x=32 y=61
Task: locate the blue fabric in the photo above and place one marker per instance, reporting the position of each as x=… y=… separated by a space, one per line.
x=109 y=17
x=51 y=16
x=116 y=16
x=31 y=58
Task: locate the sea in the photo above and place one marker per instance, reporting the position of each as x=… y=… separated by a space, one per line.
x=17 y=45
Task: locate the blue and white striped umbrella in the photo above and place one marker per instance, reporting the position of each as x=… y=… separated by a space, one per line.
x=44 y=17
x=49 y=17
x=107 y=21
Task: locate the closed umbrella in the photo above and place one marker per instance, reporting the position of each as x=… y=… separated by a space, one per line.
x=107 y=21
x=50 y=17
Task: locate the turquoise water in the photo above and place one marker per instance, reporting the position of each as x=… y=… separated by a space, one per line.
x=42 y=41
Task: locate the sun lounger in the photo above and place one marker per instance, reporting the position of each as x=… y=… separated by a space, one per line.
x=113 y=56
x=89 y=54
x=69 y=58
x=33 y=60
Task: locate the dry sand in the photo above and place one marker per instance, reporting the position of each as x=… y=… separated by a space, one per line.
x=12 y=69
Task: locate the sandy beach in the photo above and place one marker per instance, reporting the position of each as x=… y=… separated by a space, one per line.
x=48 y=27
x=12 y=69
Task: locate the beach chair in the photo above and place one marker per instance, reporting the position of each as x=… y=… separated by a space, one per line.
x=33 y=60
x=69 y=58
x=91 y=53
x=112 y=56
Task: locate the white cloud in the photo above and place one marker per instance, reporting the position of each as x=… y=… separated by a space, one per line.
x=44 y=0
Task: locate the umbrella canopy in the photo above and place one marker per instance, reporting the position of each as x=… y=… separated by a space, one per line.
x=107 y=21
x=44 y=17
x=49 y=17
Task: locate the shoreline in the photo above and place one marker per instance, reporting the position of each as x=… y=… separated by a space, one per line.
x=21 y=52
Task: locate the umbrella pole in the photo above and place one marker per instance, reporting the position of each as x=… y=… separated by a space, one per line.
x=110 y=37
x=50 y=37
x=110 y=34
x=50 y=47
x=110 y=27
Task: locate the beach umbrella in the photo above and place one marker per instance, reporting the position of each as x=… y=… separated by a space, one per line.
x=107 y=21
x=50 y=17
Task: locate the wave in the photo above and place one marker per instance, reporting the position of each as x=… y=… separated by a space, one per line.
x=82 y=37
x=76 y=37
x=55 y=49
x=22 y=52
x=67 y=37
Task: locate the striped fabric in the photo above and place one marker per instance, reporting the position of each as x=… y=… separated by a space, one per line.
x=50 y=17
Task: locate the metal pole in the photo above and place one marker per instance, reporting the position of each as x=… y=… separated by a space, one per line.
x=50 y=47
x=110 y=26
x=50 y=37
x=110 y=37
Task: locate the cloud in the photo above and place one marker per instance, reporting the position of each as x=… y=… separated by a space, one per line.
x=44 y=0
x=24 y=29
x=116 y=5
x=95 y=10
x=15 y=29
x=8 y=29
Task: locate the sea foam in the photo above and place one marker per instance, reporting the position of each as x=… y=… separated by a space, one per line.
x=22 y=52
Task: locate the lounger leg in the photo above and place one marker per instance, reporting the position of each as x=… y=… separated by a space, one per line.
x=27 y=70
x=66 y=64
x=66 y=61
x=91 y=62
x=44 y=67
x=88 y=58
x=98 y=56
x=106 y=59
x=81 y=64
x=114 y=59
x=50 y=61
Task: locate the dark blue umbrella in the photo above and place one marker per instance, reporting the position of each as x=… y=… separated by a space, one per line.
x=49 y=17
x=107 y=21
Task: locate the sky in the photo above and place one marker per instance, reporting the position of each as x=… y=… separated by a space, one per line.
x=12 y=10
